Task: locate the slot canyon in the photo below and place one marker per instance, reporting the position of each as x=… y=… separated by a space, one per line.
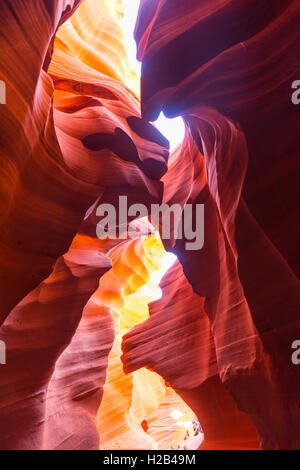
x=149 y=342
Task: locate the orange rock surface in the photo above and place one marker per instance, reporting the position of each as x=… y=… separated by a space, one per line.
x=114 y=344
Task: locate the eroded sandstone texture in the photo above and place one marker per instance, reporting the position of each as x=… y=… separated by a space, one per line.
x=93 y=355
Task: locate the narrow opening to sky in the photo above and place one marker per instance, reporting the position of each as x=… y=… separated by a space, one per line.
x=172 y=129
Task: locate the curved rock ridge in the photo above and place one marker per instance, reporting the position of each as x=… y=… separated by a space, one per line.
x=28 y=147
x=234 y=91
x=53 y=167
x=53 y=380
x=76 y=388
x=129 y=398
x=177 y=343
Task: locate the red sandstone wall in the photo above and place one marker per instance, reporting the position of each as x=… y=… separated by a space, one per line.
x=72 y=135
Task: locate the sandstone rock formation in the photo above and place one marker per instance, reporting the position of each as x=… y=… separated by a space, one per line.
x=235 y=95
x=96 y=354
